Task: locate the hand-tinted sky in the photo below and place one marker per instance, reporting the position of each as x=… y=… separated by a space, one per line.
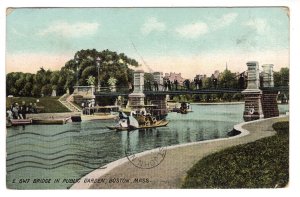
x=186 y=40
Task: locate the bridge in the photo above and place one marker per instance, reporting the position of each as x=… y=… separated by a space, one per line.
x=260 y=95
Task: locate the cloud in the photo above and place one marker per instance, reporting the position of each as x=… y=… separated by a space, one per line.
x=193 y=30
x=224 y=21
x=152 y=24
x=65 y=29
x=259 y=25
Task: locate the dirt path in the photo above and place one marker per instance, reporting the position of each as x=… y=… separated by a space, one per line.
x=178 y=160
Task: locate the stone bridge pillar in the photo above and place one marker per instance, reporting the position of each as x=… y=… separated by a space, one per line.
x=269 y=98
x=160 y=101
x=253 y=95
x=159 y=79
x=268 y=79
x=137 y=97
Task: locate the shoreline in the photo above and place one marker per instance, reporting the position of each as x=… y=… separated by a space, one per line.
x=110 y=166
x=68 y=114
x=115 y=165
x=220 y=103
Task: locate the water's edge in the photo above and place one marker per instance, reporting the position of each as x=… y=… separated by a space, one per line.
x=110 y=166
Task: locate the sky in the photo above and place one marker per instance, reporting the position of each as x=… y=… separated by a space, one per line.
x=187 y=40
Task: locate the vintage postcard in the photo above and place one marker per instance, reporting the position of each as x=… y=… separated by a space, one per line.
x=136 y=97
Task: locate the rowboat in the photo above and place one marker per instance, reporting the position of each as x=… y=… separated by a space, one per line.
x=160 y=123
x=51 y=121
x=15 y=122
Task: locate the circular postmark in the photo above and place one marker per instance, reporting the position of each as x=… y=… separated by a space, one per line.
x=146 y=161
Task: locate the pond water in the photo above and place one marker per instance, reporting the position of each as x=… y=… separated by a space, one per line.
x=72 y=150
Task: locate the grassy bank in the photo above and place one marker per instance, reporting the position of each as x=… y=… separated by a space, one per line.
x=260 y=164
x=46 y=104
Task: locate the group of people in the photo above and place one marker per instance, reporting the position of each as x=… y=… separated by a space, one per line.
x=145 y=118
x=88 y=107
x=17 y=111
x=198 y=83
x=166 y=86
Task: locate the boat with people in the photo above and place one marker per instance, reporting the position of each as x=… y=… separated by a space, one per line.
x=137 y=120
x=160 y=123
x=185 y=108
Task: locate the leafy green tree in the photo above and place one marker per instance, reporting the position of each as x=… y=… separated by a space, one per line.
x=27 y=89
x=281 y=78
x=19 y=84
x=208 y=83
x=227 y=97
x=111 y=63
x=54 y=77
x=76 y=70
x=228 y=80
x=47 y=90
x=36 y=90
x=237 y=96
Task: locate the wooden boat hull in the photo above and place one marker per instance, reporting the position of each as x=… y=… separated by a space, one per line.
x=15 y=122
x=161 y=123
x=50 y=121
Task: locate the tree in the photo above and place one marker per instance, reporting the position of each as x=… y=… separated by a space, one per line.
x=227 y=97
x=237 y=96
x=228 y=79
x=36 y=90
x=112 y=65
x=47 y=90
x=281 y=78
x=27 y=89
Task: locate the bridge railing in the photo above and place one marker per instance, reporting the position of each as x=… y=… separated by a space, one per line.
x=181 y=89
x=119 y=89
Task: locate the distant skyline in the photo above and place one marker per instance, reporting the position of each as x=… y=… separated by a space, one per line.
x=187 y=40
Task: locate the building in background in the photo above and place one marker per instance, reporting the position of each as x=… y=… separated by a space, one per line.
x=172 y=76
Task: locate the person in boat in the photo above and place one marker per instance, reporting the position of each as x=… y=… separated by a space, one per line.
x=123 y=120
x=150 y=120
x=183 y=108
x=142 y=118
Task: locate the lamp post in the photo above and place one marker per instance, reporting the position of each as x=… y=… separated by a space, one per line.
x=77 y=61
x=98 y=59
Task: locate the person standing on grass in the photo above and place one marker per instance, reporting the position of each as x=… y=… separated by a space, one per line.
x=23 y=109
x=34 y=108
x=18 y=111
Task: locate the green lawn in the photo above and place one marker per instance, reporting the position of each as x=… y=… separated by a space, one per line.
x=49 y=104
x=260 y=164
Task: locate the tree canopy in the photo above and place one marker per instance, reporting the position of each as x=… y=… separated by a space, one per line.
x=75 y=71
